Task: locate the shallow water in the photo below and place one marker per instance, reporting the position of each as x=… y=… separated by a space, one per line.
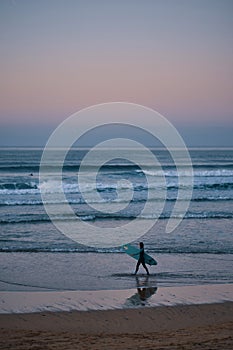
x=93 y=271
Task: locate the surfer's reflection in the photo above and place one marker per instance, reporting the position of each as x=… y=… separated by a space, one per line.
x=145 y=289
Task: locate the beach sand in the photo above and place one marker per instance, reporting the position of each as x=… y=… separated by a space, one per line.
x=185 y=317
x=206 y=326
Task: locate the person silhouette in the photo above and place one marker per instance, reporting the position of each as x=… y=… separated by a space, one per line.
x=141 y=259
x=145 y=291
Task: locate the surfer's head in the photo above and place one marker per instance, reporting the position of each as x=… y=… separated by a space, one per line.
x=141 y=244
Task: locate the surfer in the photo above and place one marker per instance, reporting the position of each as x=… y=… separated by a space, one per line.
x=141 y=259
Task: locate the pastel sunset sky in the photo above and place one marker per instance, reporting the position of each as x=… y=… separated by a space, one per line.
x=175 y=56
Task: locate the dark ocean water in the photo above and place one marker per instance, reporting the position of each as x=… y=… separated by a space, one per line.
x=199 y=250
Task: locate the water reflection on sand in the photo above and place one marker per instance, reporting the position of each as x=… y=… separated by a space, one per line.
x=146 y=287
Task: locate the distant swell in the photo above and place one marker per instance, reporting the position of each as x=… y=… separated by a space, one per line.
x=53 y=186
x=100 y=217
x=78 y=201
x=218 y=186
x=171 y=250
x=18 y=186
x=119 y=166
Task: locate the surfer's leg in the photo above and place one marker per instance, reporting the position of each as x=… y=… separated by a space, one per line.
x=145 y=267
x=137 y=266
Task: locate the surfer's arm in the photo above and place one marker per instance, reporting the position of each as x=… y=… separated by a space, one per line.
x=141 y=253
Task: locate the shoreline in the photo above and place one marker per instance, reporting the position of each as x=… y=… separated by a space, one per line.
x=17 y=302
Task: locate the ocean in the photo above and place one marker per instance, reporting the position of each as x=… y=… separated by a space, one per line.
x=35 y=255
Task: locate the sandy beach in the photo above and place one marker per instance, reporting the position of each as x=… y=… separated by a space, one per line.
x=207 y=326
x=198 y=317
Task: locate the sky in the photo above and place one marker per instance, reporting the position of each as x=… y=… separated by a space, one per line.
x=175 y=56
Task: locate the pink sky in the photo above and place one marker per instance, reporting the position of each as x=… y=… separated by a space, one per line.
x=174 y=56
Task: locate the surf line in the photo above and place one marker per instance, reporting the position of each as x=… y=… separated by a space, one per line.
x=35 y=286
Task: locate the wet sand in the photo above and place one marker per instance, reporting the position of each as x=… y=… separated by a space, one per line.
x=199 y=317
x=144 y=295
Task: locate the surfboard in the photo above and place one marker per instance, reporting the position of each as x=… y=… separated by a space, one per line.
x=135 y=252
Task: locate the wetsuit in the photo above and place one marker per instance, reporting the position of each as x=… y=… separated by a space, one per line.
x=141 y=260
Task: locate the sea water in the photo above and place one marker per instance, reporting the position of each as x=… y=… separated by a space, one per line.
x=35 y=255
